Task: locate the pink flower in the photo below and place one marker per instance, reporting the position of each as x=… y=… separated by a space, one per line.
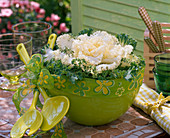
x=28 y=6
x=58 y=31
x=35 y=5
x=47 y=18
x=6 y=12
x=55 y=23
x=16 y=28
x=10 y=55
x=9 y=25
x=42 y=33
x=26 y=2
x=54 y=17
x=20 y=20
x=40 y=16
x=4 y=3
x=15 y=1
x=28 y=10
x=23 y=2
x=41 y=11
x=63 y=27
x=0 y=20
x=46 y=32
x=3 y=30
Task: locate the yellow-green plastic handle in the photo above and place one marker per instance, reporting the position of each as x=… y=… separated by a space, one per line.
x=34 y=100
x=23 y=53
x=51 y=40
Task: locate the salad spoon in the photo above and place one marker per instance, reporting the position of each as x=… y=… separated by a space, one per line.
x=32 y=119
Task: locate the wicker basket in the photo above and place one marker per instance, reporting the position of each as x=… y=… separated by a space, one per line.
x=149 y=55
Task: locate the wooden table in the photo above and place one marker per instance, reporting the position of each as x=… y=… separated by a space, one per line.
x=134 y=123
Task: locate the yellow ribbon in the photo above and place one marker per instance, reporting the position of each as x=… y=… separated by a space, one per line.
x=161 y=101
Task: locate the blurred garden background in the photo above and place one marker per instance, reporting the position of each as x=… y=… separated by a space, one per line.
x=56 y=12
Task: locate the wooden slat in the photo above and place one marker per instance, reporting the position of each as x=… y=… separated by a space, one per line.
x=163 y=1
x=165 y=24
x=163 y=8
x=150 y=62
x=167 y=44
x=117 y=28
x=151 y=54
x=166 y=37
x=113 y=7
x=150 y=68
x=114 y=18
x=166 y=31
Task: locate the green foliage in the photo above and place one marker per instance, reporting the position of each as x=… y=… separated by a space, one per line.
x=126 y=40
x=45 y=47
x=86 y=31
x=122 y=72
x=79 y=68
x=74 y=72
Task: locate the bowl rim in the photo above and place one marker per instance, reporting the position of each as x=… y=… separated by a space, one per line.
x=120 y=84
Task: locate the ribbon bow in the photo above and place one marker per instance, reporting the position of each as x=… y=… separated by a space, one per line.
x=43 y=78
x=160 y=101
x=37 y=76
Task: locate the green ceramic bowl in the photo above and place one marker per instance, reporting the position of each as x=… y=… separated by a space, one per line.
x=97 y=102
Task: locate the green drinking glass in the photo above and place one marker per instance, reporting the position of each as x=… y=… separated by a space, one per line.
x=162 y=62
x=162 y=81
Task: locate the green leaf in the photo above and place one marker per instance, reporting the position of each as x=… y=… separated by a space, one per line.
x=43 y=50
x=126 y=40
x=86 y=31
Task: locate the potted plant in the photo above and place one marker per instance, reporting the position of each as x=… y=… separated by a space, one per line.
x=98 y=72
